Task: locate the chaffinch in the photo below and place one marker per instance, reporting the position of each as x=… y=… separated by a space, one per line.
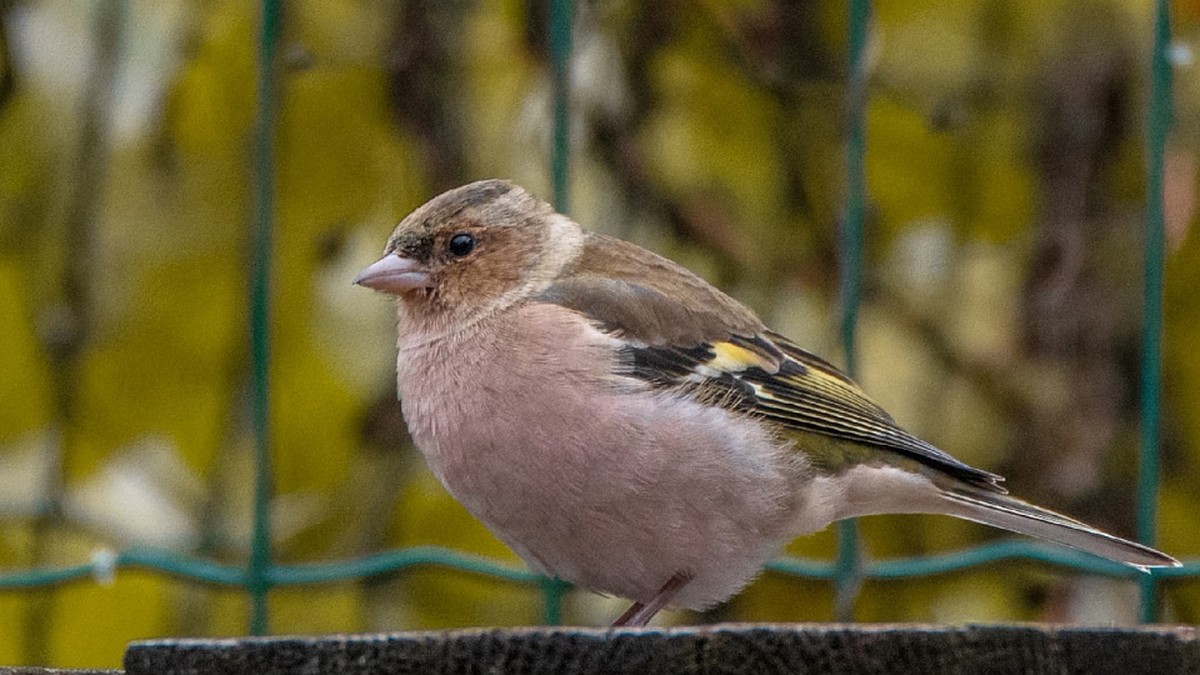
x=625 y=426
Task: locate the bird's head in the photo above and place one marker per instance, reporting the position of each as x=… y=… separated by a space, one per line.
x=472 y=249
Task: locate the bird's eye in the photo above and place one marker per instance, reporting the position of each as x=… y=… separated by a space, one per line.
x=461 y=244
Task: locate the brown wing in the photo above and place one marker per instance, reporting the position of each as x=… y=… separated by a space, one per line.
x=647 y=298
x=681 y=333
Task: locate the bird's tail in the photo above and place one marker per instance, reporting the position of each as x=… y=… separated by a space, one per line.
x=999 y=510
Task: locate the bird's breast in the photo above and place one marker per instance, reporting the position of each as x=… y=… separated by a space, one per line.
x=589 y=475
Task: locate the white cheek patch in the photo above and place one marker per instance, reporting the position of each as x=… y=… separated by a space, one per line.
x=564 y=241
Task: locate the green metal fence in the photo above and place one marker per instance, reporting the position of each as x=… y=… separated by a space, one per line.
x=260 y=574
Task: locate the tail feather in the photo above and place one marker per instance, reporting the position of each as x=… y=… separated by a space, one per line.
x=1013 y=514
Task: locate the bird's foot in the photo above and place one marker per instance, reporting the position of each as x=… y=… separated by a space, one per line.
x=639 y=614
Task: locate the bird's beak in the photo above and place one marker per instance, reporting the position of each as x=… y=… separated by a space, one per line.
x=394 y=274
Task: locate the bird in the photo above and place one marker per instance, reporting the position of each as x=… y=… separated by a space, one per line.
x=625 y=426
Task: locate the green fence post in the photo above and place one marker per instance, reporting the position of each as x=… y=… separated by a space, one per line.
x=258 y=571
x=1158 y=124
x=561 y=17
x=848 y=567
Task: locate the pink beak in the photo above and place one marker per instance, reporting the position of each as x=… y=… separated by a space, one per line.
x=394 y=274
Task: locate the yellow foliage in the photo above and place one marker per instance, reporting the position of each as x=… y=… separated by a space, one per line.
x=25 y=400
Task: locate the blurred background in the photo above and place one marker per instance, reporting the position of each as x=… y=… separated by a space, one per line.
x=1001 y=300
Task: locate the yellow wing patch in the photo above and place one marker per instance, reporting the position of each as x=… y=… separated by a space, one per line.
x=727 y=359
x=731 y=358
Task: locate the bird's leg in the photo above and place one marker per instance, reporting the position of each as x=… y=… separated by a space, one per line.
x=639 y=614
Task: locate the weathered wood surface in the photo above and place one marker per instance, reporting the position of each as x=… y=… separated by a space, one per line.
x=972 y=650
